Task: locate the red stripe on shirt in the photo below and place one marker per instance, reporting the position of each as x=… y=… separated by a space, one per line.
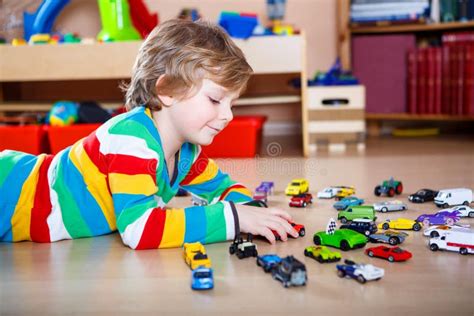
x=235 y=186
x=131 y=165
x=39 y=230
x=153 y=231
x=91 y=146
x=198 y=167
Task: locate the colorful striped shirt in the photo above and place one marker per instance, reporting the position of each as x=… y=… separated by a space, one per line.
x=117 y=179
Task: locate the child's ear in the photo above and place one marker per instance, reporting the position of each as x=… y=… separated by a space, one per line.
x=167 y=100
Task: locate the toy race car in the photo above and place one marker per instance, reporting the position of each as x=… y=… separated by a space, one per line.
x=390 y=206
x=243 y=249
x=328 y=193
x=290 y=272
x=363 y=226
x=464 y=211
x=344 y=192
x=346 y=202
x=344 y=239
x=297 y=186
x=195 y=255
x=322 y=254
x=389 y=237
x=441 y=230
x=400 y=223
x=266 y=187
x=389 y=187
x=301 y=200
x=298 y=227
x=202 y=279
x=268 y=262
x=422 y=196
x=440 y=218
x=392 y=254
x=260 y=196
x=360 y=272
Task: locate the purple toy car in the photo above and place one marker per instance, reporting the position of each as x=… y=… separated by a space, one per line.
x=265 y=186
x=441 y=218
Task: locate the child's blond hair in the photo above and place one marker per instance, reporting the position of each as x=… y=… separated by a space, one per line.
x=185 y=52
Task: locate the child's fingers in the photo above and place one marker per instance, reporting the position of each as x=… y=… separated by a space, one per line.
x=289 y=229
x=267 y=233
x=281 y=213
x=279 y=227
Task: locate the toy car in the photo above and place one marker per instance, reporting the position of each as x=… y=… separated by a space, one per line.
x=260 y=196
x=423 y=195
x=355 y=212
x=460 y=240
x=344 y=192
x=450 y=197
x=441 y=230
x=322 y=254
x=195 y=255
x=290 y=272
x=243 y=249
x=360 y=272
x=390 y=206
x=297 y=186
x=400 y=223
x=197 y=201
x=202 y=279
x=440 y=218
x=346 y=202
x=265 y=186
x=392 y=254
x=298 y=227
x=363 y=226
x=328 y=193
x=268 y=262
x=301 y=200
x=389 y=187
x=464 y=211
x=344 y=239
x=389 y=236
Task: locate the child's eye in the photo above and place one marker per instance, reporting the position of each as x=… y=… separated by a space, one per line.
x=214 y=101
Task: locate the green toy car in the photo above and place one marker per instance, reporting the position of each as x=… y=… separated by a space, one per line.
x=344 y=239
x=322 y=254
x=389 y=187
x=357 y=212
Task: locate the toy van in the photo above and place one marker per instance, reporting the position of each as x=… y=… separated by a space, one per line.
x=449 y=197
x=456 y=240
x=361 y=211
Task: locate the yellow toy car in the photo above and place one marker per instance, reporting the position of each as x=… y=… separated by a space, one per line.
x=400 y=223
x=343 y=192
x=195 y=255
x=297 y=186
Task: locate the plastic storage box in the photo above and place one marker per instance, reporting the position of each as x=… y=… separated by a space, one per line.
x=61 y=137
x=31 y=139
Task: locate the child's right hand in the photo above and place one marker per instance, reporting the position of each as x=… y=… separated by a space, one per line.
x=261 y=221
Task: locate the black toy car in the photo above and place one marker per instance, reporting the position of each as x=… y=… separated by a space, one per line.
x=423 y=195
x=243 y=249
x=290 y=271
x=363 y=226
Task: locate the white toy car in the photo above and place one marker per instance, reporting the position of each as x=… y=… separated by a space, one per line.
x=450 y=197
x=461 y=241
x=465 y=211
x=390 y=206
x=328 y=193
x=360 y=272
x=442 y=230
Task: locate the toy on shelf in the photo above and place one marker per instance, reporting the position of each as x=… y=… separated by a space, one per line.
x=41 y=21
x=390 y=206
x=335 y=76
x=298 y=227
x=355 y=212
x=243 y=249
x=450 y=197
x=260 y=196
x=290 y=272
x=322 y=254
x=422 y=196
x=266 y=186
x=360 y=272
x=400 y=223
x=39 y=39
x=460 y=240
x=301 y=200
x=363 y=226
x=389 y=187
x=238 y=25
x=268 y=261
x=19 y=42
x=347 y=202
x=202 y=279
x=142 y=19
x=440 y=218
x=189 y=14
x=463 y=210
x=195 y=255
x=63 y=113
x=389 y=237
x=70 y=38
x=344 y=192
x=297 y=187
x=392 y=254
x=116 y=21
x=344 y=239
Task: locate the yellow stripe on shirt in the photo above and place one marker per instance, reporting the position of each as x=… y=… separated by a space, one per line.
x=132 y=184
x=173 y=234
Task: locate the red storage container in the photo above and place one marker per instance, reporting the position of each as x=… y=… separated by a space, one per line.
x=27 y=138
x=61 y=137
x=240 y=139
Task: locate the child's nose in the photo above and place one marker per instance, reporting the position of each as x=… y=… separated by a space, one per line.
x=226 y=113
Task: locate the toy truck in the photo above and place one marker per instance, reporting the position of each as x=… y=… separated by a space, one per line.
x=243 y=249
x=449 y=197
x=456 y=240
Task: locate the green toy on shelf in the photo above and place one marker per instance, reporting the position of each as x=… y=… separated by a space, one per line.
x=116 y=21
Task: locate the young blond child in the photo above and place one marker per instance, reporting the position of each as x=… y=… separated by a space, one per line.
x=185 y=80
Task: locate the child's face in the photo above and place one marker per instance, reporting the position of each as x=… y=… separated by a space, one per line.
x=201 y=117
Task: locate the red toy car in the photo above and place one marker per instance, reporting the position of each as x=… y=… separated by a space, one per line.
x=260 y=196
x=390 y=253
x=301 y=200
x=298 y=227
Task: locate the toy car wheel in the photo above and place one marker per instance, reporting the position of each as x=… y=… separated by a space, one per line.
x=343 y=220
x=385 y=226
x=341 y=273
x=449 y=221
x=384 y=210
x=399 y=188
x=302 y=232
x=463 y=251
x=416 y=227
x=393 y=241
x=231 y=250
x=391 y=192
x=391 y=259
x=434 y=247
x=367 y=233
x=426 y=222
x=370 y=253
x=307 y=253
x=317 y=240
x=319 y=259
x=267 y=269
x=445 y=205
x=377 y=190
x=344 y=245
x=471 y=214
x=361 y=279
x=304 y=204
x=255 y=253
x=286 y=284
x=466 y=203
x=240 y=255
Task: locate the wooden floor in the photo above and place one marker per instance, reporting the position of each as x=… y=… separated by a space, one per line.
x=101 y=276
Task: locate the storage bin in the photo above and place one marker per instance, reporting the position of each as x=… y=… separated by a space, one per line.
x=61 y=137
x=27 y=138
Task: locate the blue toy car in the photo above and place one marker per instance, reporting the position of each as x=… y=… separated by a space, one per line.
x=265 y=186
x=268 y=262
x=360 y=272
x=202 y=279
x=346 y=202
